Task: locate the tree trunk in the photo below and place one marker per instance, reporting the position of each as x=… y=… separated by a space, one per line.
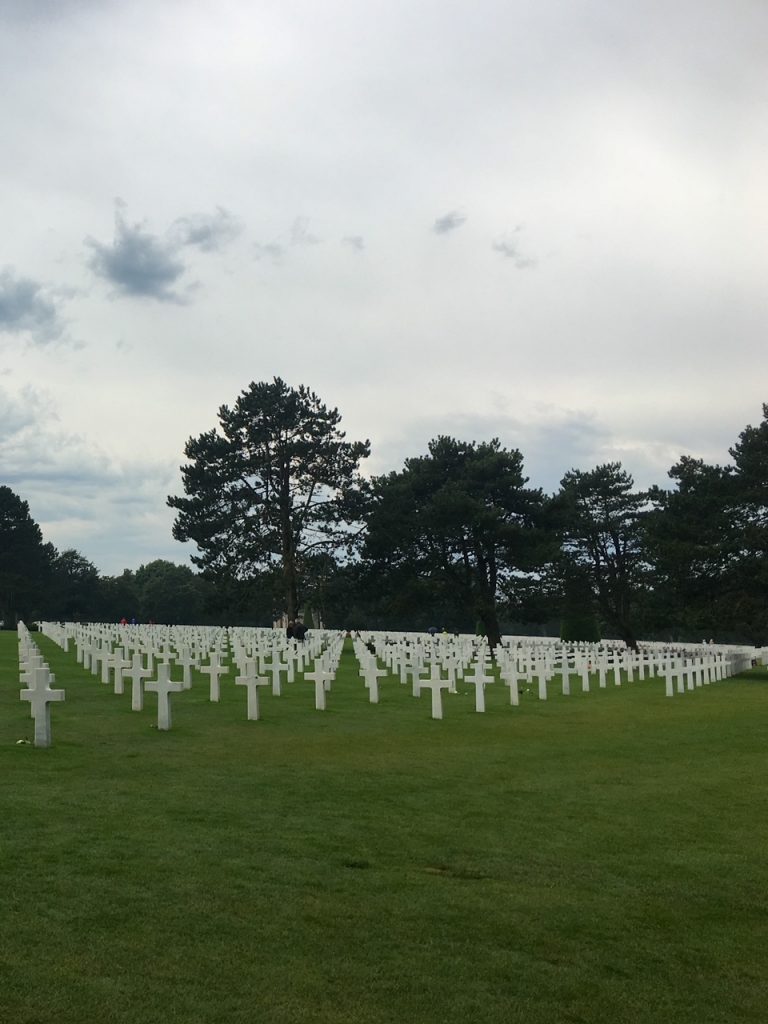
x=627 y=634
x=490 y=621
x=291 y=590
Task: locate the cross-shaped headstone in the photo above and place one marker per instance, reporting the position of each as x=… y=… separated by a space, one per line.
x=436 y=685
x=371 y=672
x=163 y=687
x=119 y=664
x=214 y=669
x=319 y=676
x=479 y=679
x=276 y=667
x=40 y=695
x=186 y=659
x=137 y=675
x=252 y=681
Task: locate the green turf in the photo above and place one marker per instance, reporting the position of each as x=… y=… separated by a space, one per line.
x=597 y=858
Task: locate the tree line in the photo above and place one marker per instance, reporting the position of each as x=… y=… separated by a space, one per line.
x=285 y=522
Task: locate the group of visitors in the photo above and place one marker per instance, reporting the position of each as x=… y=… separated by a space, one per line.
x=296 y=630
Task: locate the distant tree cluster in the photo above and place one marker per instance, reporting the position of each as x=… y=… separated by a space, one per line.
x=284 y=522
x=39 y=582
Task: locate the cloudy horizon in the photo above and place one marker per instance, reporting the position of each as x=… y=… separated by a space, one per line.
x=540 y=222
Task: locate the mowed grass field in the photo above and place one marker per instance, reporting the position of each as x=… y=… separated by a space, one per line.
x=596 y=858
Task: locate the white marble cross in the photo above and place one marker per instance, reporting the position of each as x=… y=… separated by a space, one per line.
x=436 y=685
x=319 y=676
x=252 y=681
x=371 y=672
x=276 y=667
x=214 y=669
x=137 y=675
x=187 y=661
x=479 y=679
x=435 y=675
x=541 y=675
x=40 y=695
x=565 y=673
x=511 y=677
x=163 y=687
x=107 y=661
x=119 y=664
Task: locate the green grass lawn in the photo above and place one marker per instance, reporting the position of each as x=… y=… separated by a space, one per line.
x=596 y=858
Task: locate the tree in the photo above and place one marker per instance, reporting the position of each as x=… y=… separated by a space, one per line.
x=24 y=559
x=578 y=621
x=276 y=481
x=689 y=535
x=459 y=521
x=601 y=520
x=118 y=597
x=709 y=541
x=73 y=591
x=750 y=528
x=169 y=593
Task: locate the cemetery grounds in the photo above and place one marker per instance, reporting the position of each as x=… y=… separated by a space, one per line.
x=601 y=857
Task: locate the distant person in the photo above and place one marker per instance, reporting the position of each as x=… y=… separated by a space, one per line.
x=432 y=630
x=123 y=621
x=290 y=629
x=299 y=630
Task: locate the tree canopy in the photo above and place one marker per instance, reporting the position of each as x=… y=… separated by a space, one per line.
x=601 y=517
x=24 y=559
x=274 y=482
x=460 y=518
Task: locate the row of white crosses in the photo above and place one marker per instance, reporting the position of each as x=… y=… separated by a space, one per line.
x=528 y=660
x=428 y=663
x=369 y=669
x=253 y=652
x=324 y=671
x=38 y=691
x=445 y=662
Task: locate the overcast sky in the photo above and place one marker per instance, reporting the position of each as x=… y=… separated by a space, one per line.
x=543 y=220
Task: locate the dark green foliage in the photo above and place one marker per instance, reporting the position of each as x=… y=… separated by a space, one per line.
x=73 y=592
x=579 y=621
x=709 y=543
x=601 y=515
x=275 y=482
x=24 y=560
x=169 y=593
x=119 y=598
x=460 y=521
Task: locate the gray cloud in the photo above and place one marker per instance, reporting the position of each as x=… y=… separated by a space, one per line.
x=137 y=262
x=509 y=248
x=28 y=307
x=272 y=251
x=448 y=222
x=42 y=10
x=300 y=233
x=356 y=242
x=208 y=232
x=16 y=413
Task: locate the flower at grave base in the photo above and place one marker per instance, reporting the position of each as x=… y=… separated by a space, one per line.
x=19 y=742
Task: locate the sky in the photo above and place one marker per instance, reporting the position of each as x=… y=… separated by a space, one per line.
x=538 y=220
